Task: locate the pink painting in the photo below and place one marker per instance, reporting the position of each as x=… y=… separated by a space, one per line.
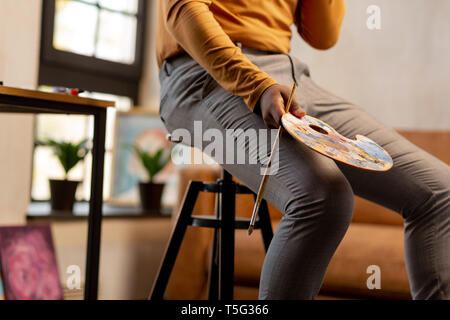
x=2 y=293
x=29 y=269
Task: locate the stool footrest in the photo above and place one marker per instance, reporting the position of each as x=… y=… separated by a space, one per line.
x=224 y=222
x=209 y=221
x=215 y=187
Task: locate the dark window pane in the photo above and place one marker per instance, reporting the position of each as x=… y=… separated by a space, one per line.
x=129 y=6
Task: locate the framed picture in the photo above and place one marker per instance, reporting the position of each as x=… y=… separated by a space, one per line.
x=145 y=129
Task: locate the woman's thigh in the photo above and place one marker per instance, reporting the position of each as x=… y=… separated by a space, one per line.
x=417 y=187
x=416 y=175
x=299 y=176
x=194 y=97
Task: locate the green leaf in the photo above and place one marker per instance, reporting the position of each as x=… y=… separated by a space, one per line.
x=152 y=163
x=68 y=153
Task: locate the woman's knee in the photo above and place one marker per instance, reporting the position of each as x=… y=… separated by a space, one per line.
x=328 y=199
x=427 y=202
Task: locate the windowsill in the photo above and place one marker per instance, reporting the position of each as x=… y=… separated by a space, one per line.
x=42 y=210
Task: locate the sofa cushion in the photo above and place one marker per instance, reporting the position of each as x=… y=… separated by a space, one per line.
x=369 y=212
x=363 y=245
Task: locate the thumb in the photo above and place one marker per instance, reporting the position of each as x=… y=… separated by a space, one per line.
x=296 y=110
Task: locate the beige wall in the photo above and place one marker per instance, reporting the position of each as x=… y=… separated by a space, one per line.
x=149 y=88
x=400 y=73
x=19 y=55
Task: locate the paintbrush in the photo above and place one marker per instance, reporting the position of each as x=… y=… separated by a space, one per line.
x=262 y=186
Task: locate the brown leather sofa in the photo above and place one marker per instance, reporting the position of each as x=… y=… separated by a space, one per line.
x=375 y=237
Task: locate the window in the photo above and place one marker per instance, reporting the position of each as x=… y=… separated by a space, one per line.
x=95 y=45
x=108 y=30
x=72 y=128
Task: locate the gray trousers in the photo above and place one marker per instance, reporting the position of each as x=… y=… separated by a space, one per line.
x=314 y=193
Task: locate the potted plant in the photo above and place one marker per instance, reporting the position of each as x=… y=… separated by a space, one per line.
x=150 y=192
x=69 y=155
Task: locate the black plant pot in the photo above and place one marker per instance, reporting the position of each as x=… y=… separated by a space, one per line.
x=150 y=194
x=63 y=194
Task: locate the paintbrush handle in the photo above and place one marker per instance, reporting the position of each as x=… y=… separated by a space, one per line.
x=262 y=186
x=288 y=107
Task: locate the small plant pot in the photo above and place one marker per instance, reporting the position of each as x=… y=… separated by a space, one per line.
x=63 y=194
x=150 y=194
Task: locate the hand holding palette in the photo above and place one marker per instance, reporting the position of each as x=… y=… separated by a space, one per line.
x=361 y=153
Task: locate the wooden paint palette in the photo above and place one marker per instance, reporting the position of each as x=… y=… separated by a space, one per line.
x=361 y=153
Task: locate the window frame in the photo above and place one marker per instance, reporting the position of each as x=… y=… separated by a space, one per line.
x=109 y=150
x=62 y=68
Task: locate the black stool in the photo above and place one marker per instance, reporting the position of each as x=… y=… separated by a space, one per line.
x=224 y=222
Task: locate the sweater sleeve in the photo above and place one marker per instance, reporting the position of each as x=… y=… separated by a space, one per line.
x=319 y=21
x=194 y=27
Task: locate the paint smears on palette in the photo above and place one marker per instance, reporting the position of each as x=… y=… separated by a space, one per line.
x=361 y=153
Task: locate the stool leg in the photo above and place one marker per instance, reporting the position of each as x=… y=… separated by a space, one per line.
x=213 y=291
x=228 y=204
x=213 y=281
x=176 y=239
x=265 y=224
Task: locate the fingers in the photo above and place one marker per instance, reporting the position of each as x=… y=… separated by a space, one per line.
x=295 y=108
x=274 y=102
x=270 y=123
x=278 y=109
